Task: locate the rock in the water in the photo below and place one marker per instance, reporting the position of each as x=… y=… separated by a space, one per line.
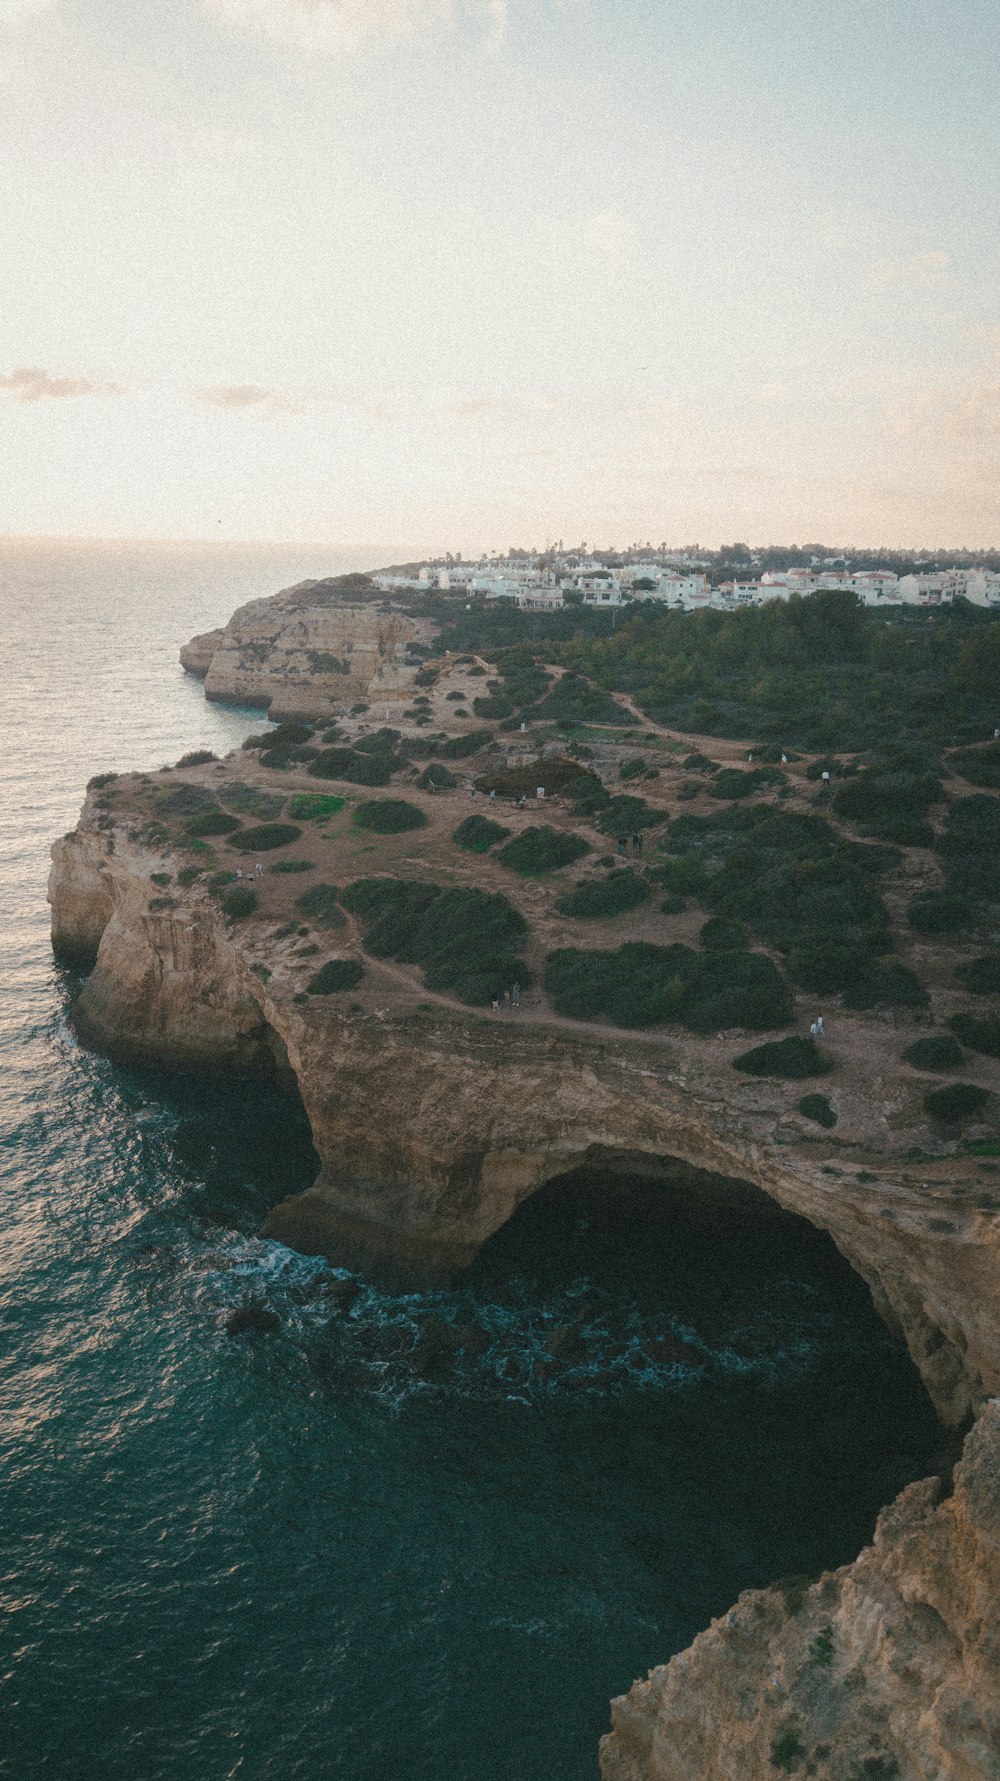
x=251 y=1320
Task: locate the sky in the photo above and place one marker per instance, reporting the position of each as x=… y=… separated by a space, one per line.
x=460 y=274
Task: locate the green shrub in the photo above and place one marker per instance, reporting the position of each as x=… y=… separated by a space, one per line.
x=477 y=834
x=162 y=902
x=266 y=837
x=437 y=778
x=625 y=815
x=251 y=800
x=938 y=1052
x=673 y=905
x=902 y=831
x=239 y=900
x=643 y=985
x=829 y=965
x=631 y=769
x=980 y=766
x=186 y=799
x=160 y=878
x=389 y=816
x=188 y=874
x=212 y=822
x=818 y=1109
x=956 y=1104
x=292 y=866
x=787 y=1751
x=542 y=850
x=357 y=768
x=198 y=757
x=687 y=793
x=970 y=847
x=698 y=763
x=722 y=935
x=887 y=983
x=738 y=782
x=494 y=706
x=979 y=1035
x=793 y=1057
x=314 y=806
x=467 y=942
x=603 y=897
x=336 y=974
x=381 y=741
x=287 y=735
x=218 y=881
x=939 y=912
x=320 y=903
x=457 y=748
x=982 y=975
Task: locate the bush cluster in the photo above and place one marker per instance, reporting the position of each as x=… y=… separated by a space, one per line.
x=600 y=898
x=980 y=766
x=940 y=1051
x=336 y=974
x=212 y=822
x=542 y=850
x=458 y=748
x=239 y=900
x=743 y=782
x=320 y=902
x=357 y=768
x=389 y=816
x=198 y=757
x=818 y=1109
x=286 y=735
x=477 y=834
x=957 y=1103
x=939 y=912
x=981 y=975
x=437 y=778
x=265 y=837
x=467 y=942
x=970 y=848
x=979 y=1035
x=642 y=985
x=251 y=800
x=793 y=1057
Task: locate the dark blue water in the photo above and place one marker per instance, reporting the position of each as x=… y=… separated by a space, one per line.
x=400 y=1538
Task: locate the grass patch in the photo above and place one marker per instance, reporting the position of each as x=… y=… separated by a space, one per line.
x=336 y=974
x=467 y=942
x=542 y=850
x=389 y=816
x=314 y=806
x=939 y=912
x=437 y=778
x=266 y=837
x=791 y=1058
x=601 y=898
x=251 y=800
x=818 y=1109
x=642 y=985
x=740 y=782
x=477 y=834
x=939 y=1052
x=293 y=866
x=458 y=748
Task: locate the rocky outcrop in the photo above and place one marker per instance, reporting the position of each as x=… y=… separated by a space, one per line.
x=432 y=1127
x=311 y=650
x=887 y=1668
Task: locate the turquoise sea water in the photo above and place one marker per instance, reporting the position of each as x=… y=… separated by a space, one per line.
x=348 y=1548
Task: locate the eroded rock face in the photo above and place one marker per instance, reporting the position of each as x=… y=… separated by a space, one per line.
x=310 y=650
x=889 y=1667
x=432 y=1129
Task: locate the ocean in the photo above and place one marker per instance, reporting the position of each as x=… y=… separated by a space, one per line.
x=344 y=1548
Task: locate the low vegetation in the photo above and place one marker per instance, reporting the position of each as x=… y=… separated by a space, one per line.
x=979 y=1035
x=389 y=816
x=793 y=1057
x=321 y=904
x=252 y=800
x=477 y=834
x=266 y=837
x=542 y=850
x=940 y=1051
x=467 y=942
x=212 y=822
x=982 y=975
x=238 y=900
x=336 y=974
x=956 y=1104
x=818 y=1109
x=602 y=898
x=314 y=806
x=642 y=985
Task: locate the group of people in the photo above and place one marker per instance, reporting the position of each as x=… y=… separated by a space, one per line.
x=257 y=872
x=511 y=998
x=623 y=843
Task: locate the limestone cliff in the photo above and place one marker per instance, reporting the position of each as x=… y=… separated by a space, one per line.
x=433 y=1125
x=311 y=650
x=887 y=1668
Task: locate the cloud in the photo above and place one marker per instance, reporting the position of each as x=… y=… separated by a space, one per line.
x=339 y=26
x=967 y=414
x=29 y=383
x=919 y=270
x=248 y=396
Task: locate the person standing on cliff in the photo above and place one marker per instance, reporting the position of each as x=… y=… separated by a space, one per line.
x=516 y=995
x=495 y=998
